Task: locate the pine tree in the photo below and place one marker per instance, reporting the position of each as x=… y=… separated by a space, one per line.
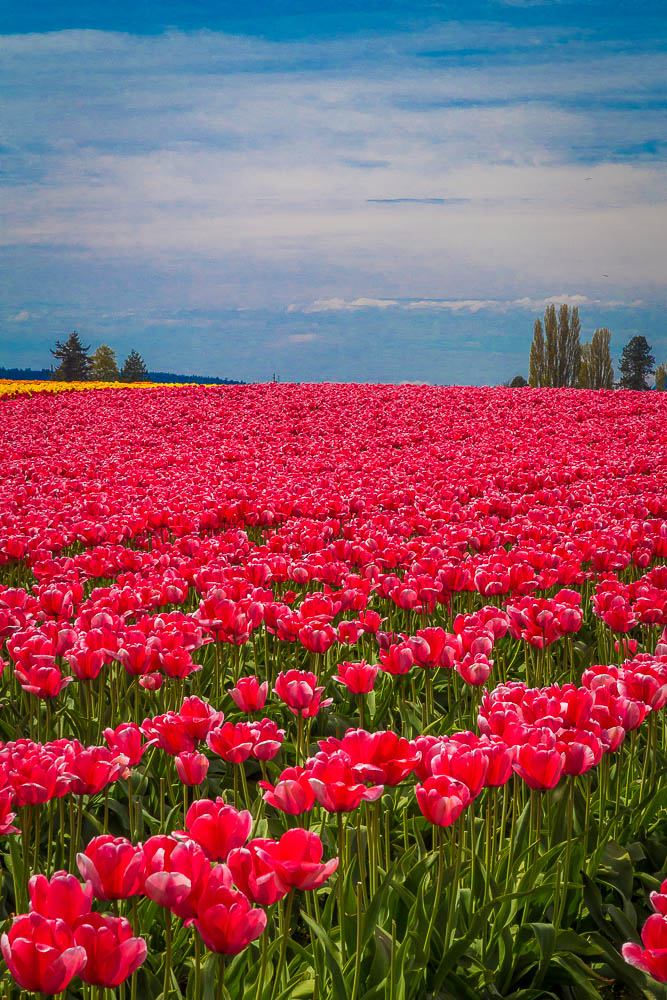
x=134 y=369
x=636 y=364
x=74 y=361
x=536 y=365
x=661 y=377
x=550 y=346
x=103 y=365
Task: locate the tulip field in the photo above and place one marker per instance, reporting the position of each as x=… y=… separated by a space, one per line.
x=339 y=692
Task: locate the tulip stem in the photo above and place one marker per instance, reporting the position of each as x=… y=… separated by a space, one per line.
x=438 y=890
x=262 y=970
x=220 y=988
x=341 y=883
x=287 y=919
x=299 y=738
x=244 y=782
x=457 y=844
x=166 y=990
x=197 y=965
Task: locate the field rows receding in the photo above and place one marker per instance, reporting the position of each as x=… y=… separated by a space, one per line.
x=346 y=692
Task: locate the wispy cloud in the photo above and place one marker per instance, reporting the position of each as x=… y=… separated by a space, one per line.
x=443 y=173
x=20 y=317
x=460 y=305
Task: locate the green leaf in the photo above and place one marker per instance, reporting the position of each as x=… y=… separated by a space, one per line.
x=332 y=958
x=545 y=935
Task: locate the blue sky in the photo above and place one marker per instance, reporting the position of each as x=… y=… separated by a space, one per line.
x=377 y=191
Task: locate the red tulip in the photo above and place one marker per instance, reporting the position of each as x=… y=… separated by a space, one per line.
x=217 y=827
x=358 y=678
x=297 y=859
x=225 y=920
x=6 y=815
x=126 y=740
x=198 y=718
x=191 y=768
x=268 y=739
x=93 y=768
x=652 y=958
x=381 y=757
x=42 y=954
x=336 y=785
x=113 y=866
x=442 y=799
x=112 y=951
x=292 y=794
x=175 y=874
x=466 y=765
x=254 y=876
x=232 y=742
x=249 y=694
x=60 y=897
x=540 y=768
x=299 y=690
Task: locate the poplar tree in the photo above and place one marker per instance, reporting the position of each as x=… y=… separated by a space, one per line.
x=550 y=346
x=103 y=365
x=555 y=359
x=661 y=377
x=600 y=368
x=574 y=347
x=536 y=366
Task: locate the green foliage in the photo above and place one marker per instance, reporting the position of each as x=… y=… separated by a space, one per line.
x=596 y=370
x=74 y=360
x=555 y=354
x=134 y=369
x=661 y=377
x=537 y=362
x=103 y=365
x=636 y=364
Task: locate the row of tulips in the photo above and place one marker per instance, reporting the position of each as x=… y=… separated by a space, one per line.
x=293 y=611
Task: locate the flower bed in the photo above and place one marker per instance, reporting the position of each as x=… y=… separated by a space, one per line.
x=334 y=691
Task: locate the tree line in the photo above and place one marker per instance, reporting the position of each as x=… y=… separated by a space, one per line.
x=559 y=359
x=77 y=365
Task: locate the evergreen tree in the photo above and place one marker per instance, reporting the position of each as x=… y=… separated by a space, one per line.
x=134 y=369
x=536 y=365
x=518 y=382
x=74 y=361
x=636 y=364
x=661 y=377
x=550 y=346
x=103 y=365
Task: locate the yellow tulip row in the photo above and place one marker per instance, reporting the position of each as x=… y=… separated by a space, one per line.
x=10 y=388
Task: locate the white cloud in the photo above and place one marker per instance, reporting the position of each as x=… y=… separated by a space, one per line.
x=459 y=305
x=249 y=154
x=300 y=338
x=20 y=317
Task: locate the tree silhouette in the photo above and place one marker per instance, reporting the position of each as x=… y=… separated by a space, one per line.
x=636 y=364
x=74 y=361
x=596 y=370
x=103 y=365
x=134 y=369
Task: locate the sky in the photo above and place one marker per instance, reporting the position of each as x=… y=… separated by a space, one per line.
x=380 y=191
